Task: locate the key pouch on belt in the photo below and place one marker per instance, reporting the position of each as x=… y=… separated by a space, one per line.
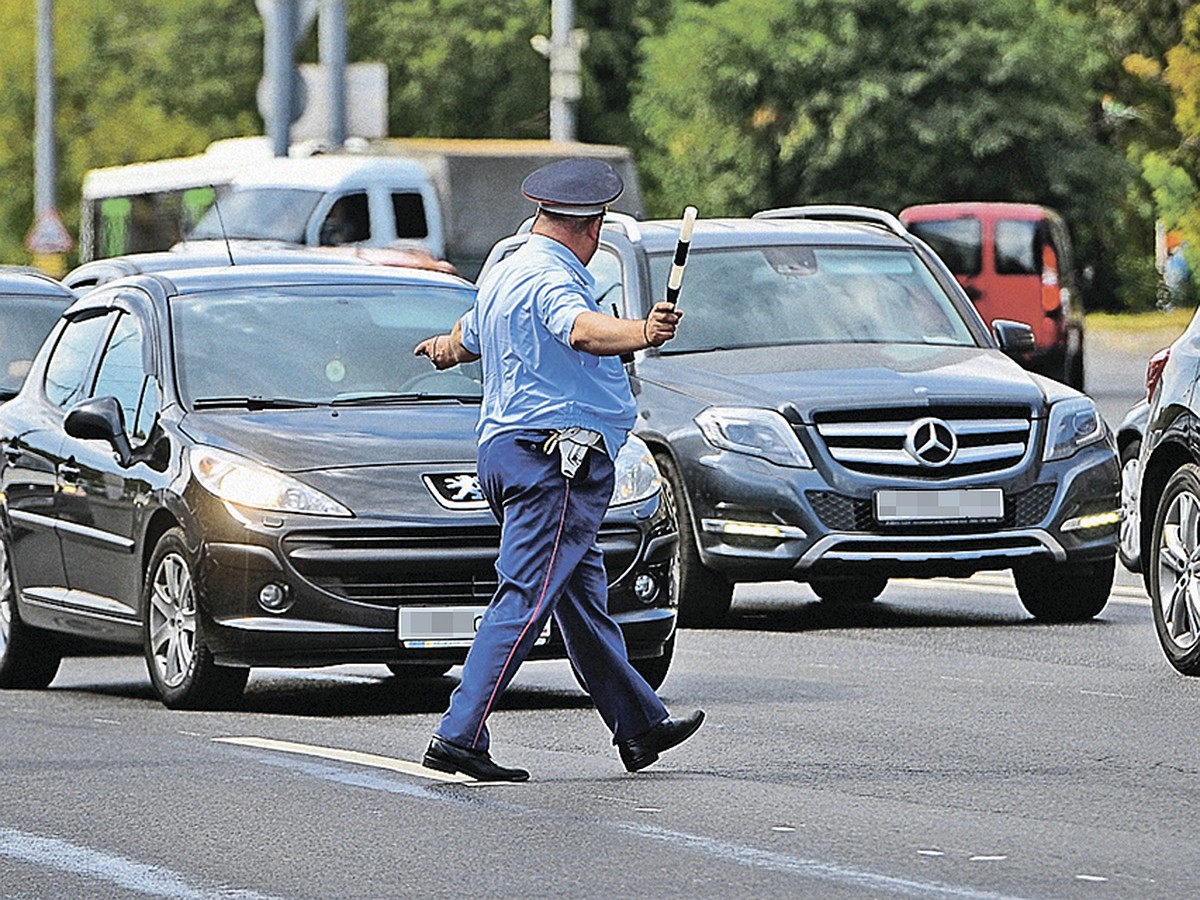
x=572 y=445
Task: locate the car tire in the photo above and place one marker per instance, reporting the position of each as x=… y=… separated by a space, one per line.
x=178 y=658
x=1173 y=584
x=1066 y=591
x=848 y=591
x=29 y=658
x=1074 y=369
x=1129 y=543
x=419 y=670
x=704 y=595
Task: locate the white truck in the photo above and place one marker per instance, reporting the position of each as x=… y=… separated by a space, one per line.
x=452 y=198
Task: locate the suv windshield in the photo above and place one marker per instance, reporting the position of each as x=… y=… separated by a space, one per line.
x=770 y=296
x=297 y=346
x=272 y=214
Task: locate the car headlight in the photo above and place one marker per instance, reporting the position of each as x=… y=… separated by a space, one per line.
x=756 y=432
x=1073 y=424
x=637 y=475
x=237 y=480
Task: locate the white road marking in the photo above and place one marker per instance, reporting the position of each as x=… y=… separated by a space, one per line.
x=351 y=756
x=126 y=874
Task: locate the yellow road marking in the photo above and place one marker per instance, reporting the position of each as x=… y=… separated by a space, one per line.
x=351 y=756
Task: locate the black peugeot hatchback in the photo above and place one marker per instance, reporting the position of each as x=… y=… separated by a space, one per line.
x=247 y=466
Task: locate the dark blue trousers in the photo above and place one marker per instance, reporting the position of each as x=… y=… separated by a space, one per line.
x=549 y=564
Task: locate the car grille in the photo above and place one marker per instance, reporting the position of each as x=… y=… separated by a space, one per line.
x=873 y=441
x=415 y=566
x=838 y=512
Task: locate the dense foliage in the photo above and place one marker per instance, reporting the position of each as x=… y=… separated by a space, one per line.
x=1088 y=105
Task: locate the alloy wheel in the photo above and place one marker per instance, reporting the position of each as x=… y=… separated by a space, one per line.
x=1131 y=520
x=6 y=600
x=173 y=620
x=1178 y=593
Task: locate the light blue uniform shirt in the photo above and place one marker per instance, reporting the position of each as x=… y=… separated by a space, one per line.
x=532 y=378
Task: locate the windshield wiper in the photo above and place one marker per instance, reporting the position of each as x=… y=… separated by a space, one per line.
x=252 y=403
x=385 y=399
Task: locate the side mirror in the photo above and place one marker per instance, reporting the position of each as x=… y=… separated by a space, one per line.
x=1014 y=338
x=100 y=419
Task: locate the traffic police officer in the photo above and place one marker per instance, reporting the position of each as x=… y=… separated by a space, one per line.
x=556 y=409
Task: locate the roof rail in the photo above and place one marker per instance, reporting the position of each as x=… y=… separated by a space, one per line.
x=626 y=223
x=837 y=213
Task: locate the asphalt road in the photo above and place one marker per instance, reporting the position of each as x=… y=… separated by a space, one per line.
x=936 y=743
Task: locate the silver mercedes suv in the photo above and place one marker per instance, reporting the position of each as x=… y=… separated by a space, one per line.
x=833 y=410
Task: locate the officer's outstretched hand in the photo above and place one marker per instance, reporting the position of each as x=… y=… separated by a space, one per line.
x=661 y=323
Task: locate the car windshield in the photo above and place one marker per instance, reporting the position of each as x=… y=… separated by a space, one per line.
x=769 y=296
x=27 y=321
x=271 y=214
x=281 y=347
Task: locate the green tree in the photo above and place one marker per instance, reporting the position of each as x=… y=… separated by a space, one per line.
x=755 y=103
x=135 y=80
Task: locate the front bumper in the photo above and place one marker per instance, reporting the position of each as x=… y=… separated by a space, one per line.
x=757 y=521
x=346 y=581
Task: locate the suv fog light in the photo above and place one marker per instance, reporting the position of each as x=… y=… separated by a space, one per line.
x=274 y=598
x=1095 y=520
x=644 y=588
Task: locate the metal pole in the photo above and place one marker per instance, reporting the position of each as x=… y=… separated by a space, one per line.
x=331 y=38
x=278 y=63
x=44 y=163
x=562 y=113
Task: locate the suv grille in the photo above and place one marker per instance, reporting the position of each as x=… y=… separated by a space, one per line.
x=930 y=442
x=838 y=512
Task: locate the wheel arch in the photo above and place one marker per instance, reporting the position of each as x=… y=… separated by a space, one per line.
x=1166 y=459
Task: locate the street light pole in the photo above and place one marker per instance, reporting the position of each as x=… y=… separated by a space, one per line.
x=44 y=162
x=563 y=49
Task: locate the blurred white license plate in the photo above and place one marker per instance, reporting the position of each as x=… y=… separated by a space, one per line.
x=445 y=626
x=968 y=505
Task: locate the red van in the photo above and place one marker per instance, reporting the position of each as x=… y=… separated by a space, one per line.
x=1015 y=262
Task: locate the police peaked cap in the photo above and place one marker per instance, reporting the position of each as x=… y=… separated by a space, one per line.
x=574 y=187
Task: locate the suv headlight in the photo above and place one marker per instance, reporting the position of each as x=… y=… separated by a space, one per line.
x=237 y=480
x=755 y=432
x=1073 y=424
x=637 y=475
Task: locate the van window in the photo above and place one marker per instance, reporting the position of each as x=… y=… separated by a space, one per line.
x=348 y=222
x=409 y=210
x=273 y=214
x=958 y=242
x=1015 y=247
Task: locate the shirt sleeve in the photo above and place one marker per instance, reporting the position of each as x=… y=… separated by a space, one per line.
x=469 y=326
x=559 y=305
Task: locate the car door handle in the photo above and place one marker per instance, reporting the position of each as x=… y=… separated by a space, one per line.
x=68 y=473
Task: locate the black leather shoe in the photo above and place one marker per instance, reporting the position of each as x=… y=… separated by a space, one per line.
x=447 y=757
x=638 y=752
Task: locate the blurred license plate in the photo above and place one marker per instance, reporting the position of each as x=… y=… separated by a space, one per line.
x=445 y=626
x=969 y=505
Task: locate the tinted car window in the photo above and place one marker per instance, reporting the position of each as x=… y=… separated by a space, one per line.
x=1015 y=244
x=27 y=321
x=957 y=241
x=348 y=222
x=770 y=296
x=68 y=365
x=315 y=344
x=279 y=214
x=409 y=210
x=121 y=374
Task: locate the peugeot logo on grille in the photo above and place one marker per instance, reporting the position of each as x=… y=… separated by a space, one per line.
x=457 y=491
x=930 y=442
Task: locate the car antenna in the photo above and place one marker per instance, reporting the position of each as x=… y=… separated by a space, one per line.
x=221 y=222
